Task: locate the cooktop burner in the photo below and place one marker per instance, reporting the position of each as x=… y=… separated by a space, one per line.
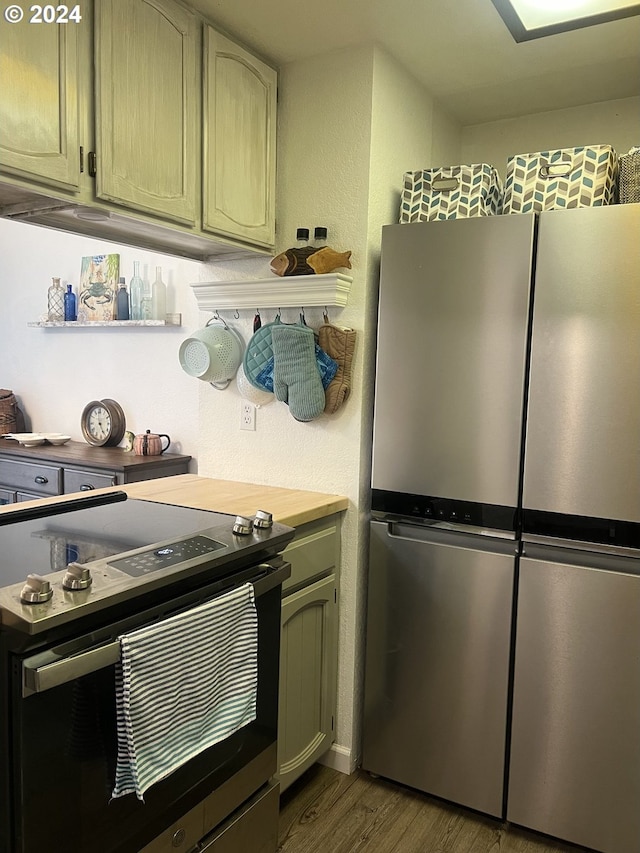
x=49 y=544
x=87 y=557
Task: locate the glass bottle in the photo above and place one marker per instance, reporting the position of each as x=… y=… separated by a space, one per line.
x=145 y=302
x=136 y=289
x=320 y=237
x=70 y=312
x=55 y=300
x=159 y=297
x=122 y=301
x=302 y=238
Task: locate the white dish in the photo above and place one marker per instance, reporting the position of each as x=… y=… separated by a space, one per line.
x=27 y=438
x=31 y=442
x=57 y=438
x=33 y=439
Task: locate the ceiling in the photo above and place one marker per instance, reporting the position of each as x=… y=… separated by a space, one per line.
x=459 y=49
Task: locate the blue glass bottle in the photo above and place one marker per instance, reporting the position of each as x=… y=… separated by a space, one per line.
x=70 y=312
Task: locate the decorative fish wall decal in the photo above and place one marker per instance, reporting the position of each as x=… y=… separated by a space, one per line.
x=309 y=261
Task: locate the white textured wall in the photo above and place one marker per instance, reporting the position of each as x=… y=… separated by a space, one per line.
x=615 y=123
x=324 y=116
x=409 y=132
x=56 y=372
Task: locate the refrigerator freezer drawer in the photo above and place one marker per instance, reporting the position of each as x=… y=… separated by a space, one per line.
x=575 y=752
x=437 y=666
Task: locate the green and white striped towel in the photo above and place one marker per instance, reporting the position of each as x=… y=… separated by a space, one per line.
x=183 y=685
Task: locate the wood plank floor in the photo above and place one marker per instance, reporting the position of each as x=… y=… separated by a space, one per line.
x=329 y=812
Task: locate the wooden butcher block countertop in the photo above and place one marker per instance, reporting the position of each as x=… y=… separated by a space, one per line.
x=288 y=506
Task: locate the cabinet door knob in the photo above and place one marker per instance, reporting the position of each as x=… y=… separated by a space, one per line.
x=86 y=487
x=42 y=480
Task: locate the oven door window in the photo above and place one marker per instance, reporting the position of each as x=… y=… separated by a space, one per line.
x=64 y=759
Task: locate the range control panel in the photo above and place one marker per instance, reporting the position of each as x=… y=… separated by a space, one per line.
x=153 y=559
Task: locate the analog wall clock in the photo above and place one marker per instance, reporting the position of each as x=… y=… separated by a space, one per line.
x=103 y=423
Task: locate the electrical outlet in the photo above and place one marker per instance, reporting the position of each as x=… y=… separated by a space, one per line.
x=248 y=416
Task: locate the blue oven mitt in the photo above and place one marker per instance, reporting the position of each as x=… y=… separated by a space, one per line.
x=326 y=366
x=296 y=378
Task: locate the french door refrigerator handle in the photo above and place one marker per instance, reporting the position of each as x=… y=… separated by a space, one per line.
x=577 y=545
x=443 y=527
x=456 y=536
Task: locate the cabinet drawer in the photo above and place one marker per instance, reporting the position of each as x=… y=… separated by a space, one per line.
x=311 y=556
x=84 y=481
x=42 y=479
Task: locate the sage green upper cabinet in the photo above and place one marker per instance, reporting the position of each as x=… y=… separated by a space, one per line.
x=39 y=67
x=239 y=142
x=147 y=88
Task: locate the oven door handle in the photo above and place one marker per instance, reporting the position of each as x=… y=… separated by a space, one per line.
x=41 y=673
x=47 y=669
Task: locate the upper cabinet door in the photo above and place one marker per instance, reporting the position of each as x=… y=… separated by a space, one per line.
x=39 y=102
x=146 y=106
x=239 y=142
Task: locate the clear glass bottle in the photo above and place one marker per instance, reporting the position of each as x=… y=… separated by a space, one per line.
x=145 y=302
x=55 y=300
x=159 y=297
x=136 y=290
x=70 y=312
x=122 y=301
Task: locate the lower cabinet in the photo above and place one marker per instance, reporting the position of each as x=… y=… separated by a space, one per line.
x=308 y=657
x=43 y=471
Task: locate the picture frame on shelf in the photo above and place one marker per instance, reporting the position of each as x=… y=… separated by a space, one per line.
x=98 y=288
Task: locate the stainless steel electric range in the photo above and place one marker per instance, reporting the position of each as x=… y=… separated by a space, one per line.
x=76 y=576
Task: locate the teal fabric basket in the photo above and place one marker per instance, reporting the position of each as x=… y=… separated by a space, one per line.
x=562 y=178
x=451 y=192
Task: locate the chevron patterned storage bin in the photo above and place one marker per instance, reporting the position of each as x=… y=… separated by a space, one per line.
x=567 y=177
x=451 y=192
x=629 y=184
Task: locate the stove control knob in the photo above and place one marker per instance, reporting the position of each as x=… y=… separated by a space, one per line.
x=36 y=590
x=242 y=526
x=263 y=520
x=77 y=577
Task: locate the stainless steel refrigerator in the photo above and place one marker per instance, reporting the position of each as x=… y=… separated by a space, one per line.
x=485 y=338
x=575 y=745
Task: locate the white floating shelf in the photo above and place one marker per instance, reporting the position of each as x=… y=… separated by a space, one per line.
x=295 y=291
x=172 y=320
